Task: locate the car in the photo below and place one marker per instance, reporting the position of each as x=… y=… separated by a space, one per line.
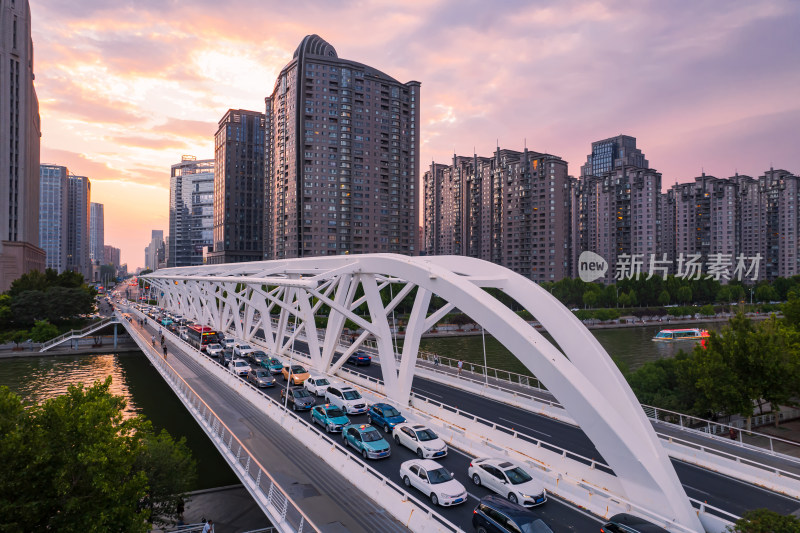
x=317 y=385
x=273 y=365
x=384 y=416
x=359 y=358
x=256 y=356
x=213 y=350
x=299 y=374
x=241 y=350
x=228 y=342
x=330 y=417
x=420 y=439
x=299 y=398
x=166 y=322
x=498 y=515
x=507 y=479
x=628 y=523
x=240 y=367
x=347 y=398
x=433 y=480
x=260 y=378
x=367 y=440
x=183 y=335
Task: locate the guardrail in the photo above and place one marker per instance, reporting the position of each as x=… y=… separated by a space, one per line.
x=418 y=513
x=77 y=333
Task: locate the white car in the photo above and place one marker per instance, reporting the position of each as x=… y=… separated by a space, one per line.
x=419 y=439
x=242 y=349
x=346 y=398
x=317 y=385
x=240 y=367
x=213 y=350
x=227 y=342
x=434 y=481
x=509 y=480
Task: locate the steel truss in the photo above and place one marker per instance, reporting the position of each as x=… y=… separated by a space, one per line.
x=271 y=297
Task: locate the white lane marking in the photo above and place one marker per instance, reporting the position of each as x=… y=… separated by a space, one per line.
x=526 y=427
x=433 y=394
x=742 y=482
x=696 y=489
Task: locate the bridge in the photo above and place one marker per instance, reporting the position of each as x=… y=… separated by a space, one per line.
x=610 y=458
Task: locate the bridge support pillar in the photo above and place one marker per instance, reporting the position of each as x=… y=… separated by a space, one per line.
x=115 y=335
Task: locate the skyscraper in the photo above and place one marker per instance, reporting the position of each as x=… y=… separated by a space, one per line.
x=154 y=253
x=191 y=211
x=96 y=232
x=239 y=188
x=619 y=202
x=78 y=225
x=111 y=255
x=53 y=209
x=342 y=158
x=513 y=209
x=19 y=149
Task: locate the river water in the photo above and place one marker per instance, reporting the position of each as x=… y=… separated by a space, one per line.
x=38 y=378
x=632 y=346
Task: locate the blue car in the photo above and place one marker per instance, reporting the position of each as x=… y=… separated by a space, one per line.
x=384 y=416
x=359 y=358
x=367 y=440
x=330 y=417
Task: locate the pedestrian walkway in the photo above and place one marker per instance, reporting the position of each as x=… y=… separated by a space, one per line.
x=231 y=508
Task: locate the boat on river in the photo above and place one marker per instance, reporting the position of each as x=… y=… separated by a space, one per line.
x=687 y=334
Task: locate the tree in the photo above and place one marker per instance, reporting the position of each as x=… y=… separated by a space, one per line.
x=632 y=299
x=765 y=293
x=724 y=294
x=43 y=331
x=74 y=463
x=791 y=310
x=663 y=298
x=684 y=294
x=589 y=298
x=766 y=521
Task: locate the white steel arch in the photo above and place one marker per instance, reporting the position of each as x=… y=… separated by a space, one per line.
x=272 y=296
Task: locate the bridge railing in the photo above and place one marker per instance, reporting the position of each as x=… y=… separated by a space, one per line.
x=77 y=333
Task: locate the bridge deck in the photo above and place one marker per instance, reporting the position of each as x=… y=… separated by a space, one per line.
x=329 y=500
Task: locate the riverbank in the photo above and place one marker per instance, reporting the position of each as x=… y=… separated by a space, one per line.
x=83 y=347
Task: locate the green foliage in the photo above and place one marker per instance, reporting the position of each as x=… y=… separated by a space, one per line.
x=707 y=310
x=74 y=463
x=791 y=310
x=43 y=331
x=684 y=294
x=765 y=293
x=45 y=296
x=661 y=383
x=663 y=298
x=589 y=298
x=17 y=336
x=766 y=521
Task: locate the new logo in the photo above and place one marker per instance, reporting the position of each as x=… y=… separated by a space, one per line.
x=591 y=266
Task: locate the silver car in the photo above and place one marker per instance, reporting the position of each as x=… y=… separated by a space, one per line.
x=260 y=378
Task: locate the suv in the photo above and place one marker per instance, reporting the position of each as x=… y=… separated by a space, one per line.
x=346 y=398
x=498 y=515
x=628 y=523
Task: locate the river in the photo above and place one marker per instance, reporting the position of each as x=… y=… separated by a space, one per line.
x=632 y=346
x=37 y=378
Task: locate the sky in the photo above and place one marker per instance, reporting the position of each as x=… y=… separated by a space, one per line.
x=128 y=87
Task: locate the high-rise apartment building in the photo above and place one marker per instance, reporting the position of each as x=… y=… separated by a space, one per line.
x=238 y=188
x=613 y=153
x=780 y=191
x=19 y=148
x=751 y=214
x=155 y=252
x=53 y=209
x=618 y=208
x=342 y=158
x=191 y=211
x=513 y=209
x=111 y=255
x=78 y=225
x=705 y=218
x=97 y=234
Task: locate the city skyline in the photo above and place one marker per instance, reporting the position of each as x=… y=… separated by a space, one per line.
x=702 y=89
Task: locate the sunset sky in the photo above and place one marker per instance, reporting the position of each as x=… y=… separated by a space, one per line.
x=127 y=87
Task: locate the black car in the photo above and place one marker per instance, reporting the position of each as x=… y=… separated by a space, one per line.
x=628 y=523
x=359 y=358
x=299 y=398
x=498 y=515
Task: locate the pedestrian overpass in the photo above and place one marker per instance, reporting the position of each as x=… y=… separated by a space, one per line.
x=278 y=301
